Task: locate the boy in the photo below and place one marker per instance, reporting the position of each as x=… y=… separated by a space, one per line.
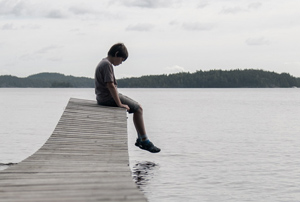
x=107 y=93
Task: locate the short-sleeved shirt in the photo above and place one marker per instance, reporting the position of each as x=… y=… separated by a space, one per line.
x=104 y=73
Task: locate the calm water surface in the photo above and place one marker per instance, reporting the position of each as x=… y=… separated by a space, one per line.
x=217 y=144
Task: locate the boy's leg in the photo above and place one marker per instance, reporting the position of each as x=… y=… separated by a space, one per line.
x=137 y=111
x=142 y=141
x=138 y=121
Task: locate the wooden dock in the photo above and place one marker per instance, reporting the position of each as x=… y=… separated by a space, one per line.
x=85 y=159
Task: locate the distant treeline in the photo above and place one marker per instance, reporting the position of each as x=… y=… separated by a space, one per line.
x=46 y=80
x=214 y=79
x=249 y=78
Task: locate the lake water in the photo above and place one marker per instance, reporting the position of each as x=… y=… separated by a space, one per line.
x=217 y=144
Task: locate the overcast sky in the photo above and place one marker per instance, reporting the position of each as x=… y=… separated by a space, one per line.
x=162 y=36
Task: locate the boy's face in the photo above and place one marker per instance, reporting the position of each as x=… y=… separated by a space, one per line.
x=117 y=61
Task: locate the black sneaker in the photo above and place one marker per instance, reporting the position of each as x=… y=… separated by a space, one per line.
x=149 y=146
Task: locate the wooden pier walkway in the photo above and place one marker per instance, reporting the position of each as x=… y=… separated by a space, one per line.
x=85 y=159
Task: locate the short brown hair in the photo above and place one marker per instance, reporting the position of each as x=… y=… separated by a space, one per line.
x=118 y=50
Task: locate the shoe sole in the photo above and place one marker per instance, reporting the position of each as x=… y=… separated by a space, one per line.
x=139 y=146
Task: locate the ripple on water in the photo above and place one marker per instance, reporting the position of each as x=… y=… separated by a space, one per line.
x=142 y=172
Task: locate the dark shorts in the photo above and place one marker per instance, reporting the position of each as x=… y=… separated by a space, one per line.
x=133 y=105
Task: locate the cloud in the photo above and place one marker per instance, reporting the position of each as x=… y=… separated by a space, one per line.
x=202 y=5
x=31 y=26
x=80 y=10
x=4 y=72
x=85 y=13
x=258 y=41
x=140 y=27
x=175 y=69
x=8 y=26
x=197 y=26
x=55 y=59
x=24 y=8
x=237 y=9
x=149 y=3
x=174 y=22
x=254 y=5
x=49 y=52
x=56 y=14
x=48 y=49
x=11 y=26
x=233 y=10
x=14 y=7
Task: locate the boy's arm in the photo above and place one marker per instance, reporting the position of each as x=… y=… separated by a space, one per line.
x=114 y=93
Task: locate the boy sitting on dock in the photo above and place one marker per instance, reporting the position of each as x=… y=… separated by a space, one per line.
x=107 y=93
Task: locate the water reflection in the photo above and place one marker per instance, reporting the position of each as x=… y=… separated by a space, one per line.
x=142 y=172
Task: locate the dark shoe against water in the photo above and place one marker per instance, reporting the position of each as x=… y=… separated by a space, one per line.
x=149 y=146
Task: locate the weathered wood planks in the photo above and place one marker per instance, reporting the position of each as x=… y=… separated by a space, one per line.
x=85 y=159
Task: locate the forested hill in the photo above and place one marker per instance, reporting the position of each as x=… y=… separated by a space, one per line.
x=200 y=79
x=46 y=80
x=214 y=79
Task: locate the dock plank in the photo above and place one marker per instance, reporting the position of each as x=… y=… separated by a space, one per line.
x=85 y=159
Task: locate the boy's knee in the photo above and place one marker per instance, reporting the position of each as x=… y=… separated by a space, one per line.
x=140 y=110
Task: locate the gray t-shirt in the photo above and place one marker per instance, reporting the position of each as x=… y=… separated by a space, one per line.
x=104 y=73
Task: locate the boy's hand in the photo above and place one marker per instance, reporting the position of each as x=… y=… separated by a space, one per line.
x=125 y=106
x=114 y=93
